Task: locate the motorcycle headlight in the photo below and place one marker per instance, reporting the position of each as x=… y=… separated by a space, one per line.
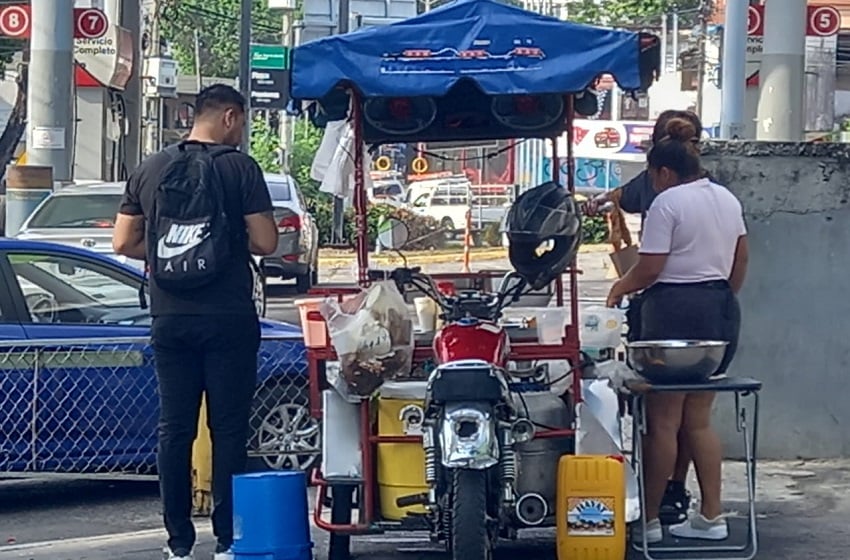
x=468 y=439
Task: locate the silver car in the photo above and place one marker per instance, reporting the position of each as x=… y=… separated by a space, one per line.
x=84 y=216
x=78 y=215
x=297 y=254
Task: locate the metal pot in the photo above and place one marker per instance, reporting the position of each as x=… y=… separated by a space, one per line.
x=667 y=362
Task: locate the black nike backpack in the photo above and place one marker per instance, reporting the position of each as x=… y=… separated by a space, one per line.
x=189 y=241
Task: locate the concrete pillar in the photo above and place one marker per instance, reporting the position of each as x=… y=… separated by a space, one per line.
x=734 y=66
x=781 y=76
x=50 y=90
x=26 y=187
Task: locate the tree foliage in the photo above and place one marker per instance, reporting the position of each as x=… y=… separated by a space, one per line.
x=629 y=13
x=217 y=24
x=265 y=146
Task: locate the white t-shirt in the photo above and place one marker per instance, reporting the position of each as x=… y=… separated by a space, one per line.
x=697 y=225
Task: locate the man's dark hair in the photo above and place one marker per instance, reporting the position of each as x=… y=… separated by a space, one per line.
x=660 y=129
x=218 y=97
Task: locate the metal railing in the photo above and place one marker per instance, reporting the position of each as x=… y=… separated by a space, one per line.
x=90 y=407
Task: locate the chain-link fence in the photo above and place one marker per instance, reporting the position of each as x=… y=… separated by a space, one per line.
x=91 y=407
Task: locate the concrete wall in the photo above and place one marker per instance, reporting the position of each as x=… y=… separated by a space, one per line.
x=795 y=303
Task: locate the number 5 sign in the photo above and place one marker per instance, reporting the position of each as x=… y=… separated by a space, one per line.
x=16 y=22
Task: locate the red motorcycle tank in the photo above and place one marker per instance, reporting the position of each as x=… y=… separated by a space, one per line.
x=472 y=340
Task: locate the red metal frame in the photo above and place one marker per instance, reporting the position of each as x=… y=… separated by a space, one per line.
x=568 y=350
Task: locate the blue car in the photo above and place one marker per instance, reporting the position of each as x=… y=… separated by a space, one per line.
x=78 y=392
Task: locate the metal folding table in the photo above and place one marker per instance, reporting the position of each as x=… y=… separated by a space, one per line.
x=740 y=387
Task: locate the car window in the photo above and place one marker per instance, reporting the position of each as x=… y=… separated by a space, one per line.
x=280 y=190
x=299 y=196
x=79 y=210
x=69 y=290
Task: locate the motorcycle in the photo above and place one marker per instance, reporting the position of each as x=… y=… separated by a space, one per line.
x=486 y=476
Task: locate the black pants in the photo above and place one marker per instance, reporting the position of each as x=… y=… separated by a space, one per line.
x=197 y=354
x=699 y=311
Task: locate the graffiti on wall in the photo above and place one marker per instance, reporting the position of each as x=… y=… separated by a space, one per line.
x=589 y=173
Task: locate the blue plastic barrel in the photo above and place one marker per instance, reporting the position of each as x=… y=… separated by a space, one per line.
x=270 y=516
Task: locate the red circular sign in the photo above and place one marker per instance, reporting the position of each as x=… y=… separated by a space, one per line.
x=91 y=24
x=824 y=21
x=753 y=20
x=14 y=21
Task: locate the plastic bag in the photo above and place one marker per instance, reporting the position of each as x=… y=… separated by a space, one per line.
x=618 y=374
x=372 y=334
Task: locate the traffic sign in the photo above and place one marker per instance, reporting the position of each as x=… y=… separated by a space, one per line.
x=15 y=21
x=269 y=57
x=754 y=21
x=824 y=21
x=90 y=23
x=821 y=21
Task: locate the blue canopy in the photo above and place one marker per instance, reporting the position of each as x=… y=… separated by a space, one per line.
x=503 y=49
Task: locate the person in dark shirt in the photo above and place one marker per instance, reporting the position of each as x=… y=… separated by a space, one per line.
x=205 y=341
x=637 y=194
x=636 y=197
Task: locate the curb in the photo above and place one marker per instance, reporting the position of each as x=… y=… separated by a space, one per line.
x=424 y=257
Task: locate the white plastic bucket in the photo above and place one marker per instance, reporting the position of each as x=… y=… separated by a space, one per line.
x=601 y=327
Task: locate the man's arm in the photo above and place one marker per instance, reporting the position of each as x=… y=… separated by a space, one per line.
x=631 y=194
x=257 y=208
x=128 y=237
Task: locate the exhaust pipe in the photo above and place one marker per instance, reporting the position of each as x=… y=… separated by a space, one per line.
x=531 y=509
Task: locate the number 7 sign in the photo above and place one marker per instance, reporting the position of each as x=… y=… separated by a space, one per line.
x=16 y=22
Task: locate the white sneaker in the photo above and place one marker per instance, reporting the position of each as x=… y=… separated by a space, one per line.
x=654 y=532
x=226 y=555
x=166 y=553
x=698 y=527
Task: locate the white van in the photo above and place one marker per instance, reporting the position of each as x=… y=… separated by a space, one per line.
x=448 y=200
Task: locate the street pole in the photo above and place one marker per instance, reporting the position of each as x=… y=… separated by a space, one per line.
x=664 y=67
x=130 y=18
x=704 y=13
x=734 y=68
x=198 y=77
x=50 y=91
x=245 y=69
x=780 y=110
x=152 y=101
x=339 y=207
x=283 y=119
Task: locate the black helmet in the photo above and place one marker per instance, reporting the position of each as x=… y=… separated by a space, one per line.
x=544 y=232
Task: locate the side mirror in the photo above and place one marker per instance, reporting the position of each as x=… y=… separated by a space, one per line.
x=393 y=234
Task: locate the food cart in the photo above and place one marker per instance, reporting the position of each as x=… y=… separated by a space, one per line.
x=470 y=70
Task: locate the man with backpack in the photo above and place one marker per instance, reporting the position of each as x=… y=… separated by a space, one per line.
x=195 y=212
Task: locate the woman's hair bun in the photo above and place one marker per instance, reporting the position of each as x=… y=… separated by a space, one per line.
x=681 y=130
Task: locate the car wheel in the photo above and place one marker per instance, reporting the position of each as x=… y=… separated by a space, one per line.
x=448 y=227
x=304 y=282
x=284 y=435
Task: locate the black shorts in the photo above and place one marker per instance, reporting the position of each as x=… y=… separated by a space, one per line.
x=699 y=311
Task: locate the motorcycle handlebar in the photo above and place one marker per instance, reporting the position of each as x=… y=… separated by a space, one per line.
x=486 y=305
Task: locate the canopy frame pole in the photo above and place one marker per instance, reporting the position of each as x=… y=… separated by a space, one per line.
x=360 y=210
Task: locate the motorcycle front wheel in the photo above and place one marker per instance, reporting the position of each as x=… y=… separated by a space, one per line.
x=470 y=538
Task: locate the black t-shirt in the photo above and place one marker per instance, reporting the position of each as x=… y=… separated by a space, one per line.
x=245 y=193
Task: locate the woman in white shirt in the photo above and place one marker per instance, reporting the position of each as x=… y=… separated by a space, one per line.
x=693 y=259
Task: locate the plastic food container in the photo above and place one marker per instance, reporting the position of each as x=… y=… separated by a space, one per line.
x=551 y=323
x=315 y=333
x=601 y=327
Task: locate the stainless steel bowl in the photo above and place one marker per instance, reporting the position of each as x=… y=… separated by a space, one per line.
x=676 y=361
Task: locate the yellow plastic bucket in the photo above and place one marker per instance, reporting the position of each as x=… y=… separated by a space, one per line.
x=401 y=466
